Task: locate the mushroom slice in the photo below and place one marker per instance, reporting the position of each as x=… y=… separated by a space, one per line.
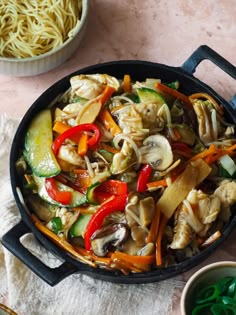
x=146 y=211
x=112 y=234
x=139 y=235
x=148 y=249
x=157 y=152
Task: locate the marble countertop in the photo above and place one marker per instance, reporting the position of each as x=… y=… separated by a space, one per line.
x=154 y=30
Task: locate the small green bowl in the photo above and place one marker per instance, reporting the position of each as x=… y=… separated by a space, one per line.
x=205 y=276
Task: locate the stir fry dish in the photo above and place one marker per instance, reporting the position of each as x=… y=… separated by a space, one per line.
x=128 y=175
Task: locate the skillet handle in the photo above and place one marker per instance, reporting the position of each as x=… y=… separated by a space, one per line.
x=205 y=52
x=233 y=103
x=11 y=240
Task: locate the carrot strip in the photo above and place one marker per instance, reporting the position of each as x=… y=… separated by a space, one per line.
x=83 y=144
x=109 y=148
x=172 y=92
x=127 y=83
x=84 y=252
x=212 y=158
x=157 y=183
x=152 y=235
x=211 y=150
x=61 y=127
x=212 y=154
x=162 y=226
x=142 y=260
x=109 y=122
x=59 y=241
x=231 y=150
x=107 y=93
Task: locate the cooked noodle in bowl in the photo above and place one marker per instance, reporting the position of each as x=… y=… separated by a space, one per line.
x=33 y=30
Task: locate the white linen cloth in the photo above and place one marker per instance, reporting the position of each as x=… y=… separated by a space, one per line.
x=27 y=294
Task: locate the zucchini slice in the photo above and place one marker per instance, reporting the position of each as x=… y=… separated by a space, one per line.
x=38 y=142
x=79 y=226
x=149 y=95
x=107 y=155
x=77 y=198
x=56 y=224
x=90 y=194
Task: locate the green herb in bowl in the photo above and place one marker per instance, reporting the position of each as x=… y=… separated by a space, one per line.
x=218 y=298
x=211 y=290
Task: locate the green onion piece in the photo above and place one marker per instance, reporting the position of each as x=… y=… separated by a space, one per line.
x=224 y=284
x=232 y=289
x=223 y=173
x=228 y=164
x=202 y=309
x=223 y=309
x=174 y=85
x=225 y=300
x=208 y=294
x=56 y=224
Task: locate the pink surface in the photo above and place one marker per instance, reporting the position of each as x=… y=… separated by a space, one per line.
x=155 y=30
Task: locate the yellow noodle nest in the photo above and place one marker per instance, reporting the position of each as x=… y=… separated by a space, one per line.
x=30 y=28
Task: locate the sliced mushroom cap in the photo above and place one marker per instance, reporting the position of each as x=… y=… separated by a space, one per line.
x=139 y=235
x=131 y=247
x=146 y=211
x=148 y=249
x=112 y=234
x=157 y=152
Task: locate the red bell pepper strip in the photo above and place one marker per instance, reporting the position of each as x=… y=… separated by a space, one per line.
x=102 y=197
x=92 y=142
x=143 y=178
x=113 y=187
x=63 y=197
x=96 y=221
x=108 y=189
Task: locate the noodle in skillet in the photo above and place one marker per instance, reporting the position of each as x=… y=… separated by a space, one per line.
x=33 y=27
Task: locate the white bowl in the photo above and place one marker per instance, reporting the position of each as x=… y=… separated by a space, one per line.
x=209 y=274
x=4 y=310
x=43 y=63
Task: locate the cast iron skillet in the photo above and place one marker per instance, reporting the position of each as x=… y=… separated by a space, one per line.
x=139 y=70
